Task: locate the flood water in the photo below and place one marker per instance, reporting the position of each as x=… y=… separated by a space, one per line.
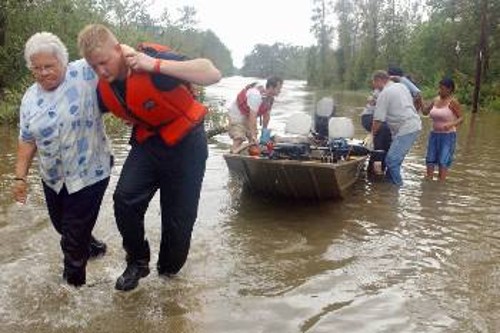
x=425 y=258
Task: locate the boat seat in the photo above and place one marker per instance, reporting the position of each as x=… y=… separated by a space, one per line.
x=297 y=129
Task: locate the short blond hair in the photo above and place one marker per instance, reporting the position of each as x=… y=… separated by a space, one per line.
x=93 y=37
x=380 y=74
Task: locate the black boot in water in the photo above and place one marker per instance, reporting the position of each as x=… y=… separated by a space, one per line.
x=74 y=278
x=130 y=278
x=97 y=248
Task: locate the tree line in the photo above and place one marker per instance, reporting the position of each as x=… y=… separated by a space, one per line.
x=428 y=39
x=129 y=19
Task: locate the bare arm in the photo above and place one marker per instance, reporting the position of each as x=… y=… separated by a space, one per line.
x=418 y=102
x=427 y=108
x=252 y=126
x=200 y=71
x=25 y=153
x=457 y=110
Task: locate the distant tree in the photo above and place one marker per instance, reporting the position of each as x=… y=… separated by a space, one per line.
x=278 y=59
x=129 y=19
x=187 y=19
x=323 y=31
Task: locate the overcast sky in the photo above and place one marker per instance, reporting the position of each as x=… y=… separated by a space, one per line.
x=242 y=24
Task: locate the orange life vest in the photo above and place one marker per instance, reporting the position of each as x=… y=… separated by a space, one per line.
x=148 y=47
x=170 y=114
x=241 y=100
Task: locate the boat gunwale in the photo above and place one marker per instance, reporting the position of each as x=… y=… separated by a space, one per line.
x=313 y=163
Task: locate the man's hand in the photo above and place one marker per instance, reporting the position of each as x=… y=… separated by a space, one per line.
x=137 y=61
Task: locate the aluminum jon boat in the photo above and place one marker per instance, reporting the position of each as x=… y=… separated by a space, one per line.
x=297 y=179
x=308 y=162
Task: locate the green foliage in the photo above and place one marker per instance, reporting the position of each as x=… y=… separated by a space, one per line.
x=277 y=59
x=321 y=62
x=129 y=19
x=493 y=104
x=216 y=121
x=10 y=101
x=427 y=39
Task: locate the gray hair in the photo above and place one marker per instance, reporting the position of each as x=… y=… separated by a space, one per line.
x=45 y=42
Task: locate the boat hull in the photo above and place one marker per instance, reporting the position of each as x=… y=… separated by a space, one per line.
x=296 y=179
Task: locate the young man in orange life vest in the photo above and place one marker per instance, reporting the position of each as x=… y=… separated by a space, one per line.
x=168 y=144
x=252 y=102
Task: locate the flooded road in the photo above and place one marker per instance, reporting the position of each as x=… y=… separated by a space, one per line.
x=425 y=258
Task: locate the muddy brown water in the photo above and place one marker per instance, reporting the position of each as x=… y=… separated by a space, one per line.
x=425 y=258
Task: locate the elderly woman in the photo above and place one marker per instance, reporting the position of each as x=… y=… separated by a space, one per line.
x=61 y=122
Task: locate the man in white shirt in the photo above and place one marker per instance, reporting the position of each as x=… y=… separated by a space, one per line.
x=395 y=107
x=252 y=102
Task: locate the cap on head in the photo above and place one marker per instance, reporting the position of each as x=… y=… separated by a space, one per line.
x=395 y=71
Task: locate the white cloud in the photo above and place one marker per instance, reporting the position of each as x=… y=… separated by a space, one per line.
x=242 y=24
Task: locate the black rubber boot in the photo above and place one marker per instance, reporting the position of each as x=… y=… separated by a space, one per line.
x=75 y=279
x=137 y=268
x=97 y=248
x=130 y=278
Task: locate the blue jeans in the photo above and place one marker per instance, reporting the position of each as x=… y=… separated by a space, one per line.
x=177 y=171
x=440 y=149
x=400 y=146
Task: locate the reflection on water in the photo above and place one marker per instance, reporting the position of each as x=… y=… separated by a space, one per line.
x=424 y=258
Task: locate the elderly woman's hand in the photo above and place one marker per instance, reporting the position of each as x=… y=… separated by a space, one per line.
x=137 y=61
x=20 y=190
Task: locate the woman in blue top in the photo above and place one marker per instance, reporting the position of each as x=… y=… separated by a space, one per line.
x=60 y=122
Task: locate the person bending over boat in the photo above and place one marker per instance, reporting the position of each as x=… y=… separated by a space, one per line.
x=252 y=102
x=382 y=141
x=395 y=106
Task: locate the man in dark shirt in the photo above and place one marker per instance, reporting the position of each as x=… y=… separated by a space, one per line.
x=168 y=144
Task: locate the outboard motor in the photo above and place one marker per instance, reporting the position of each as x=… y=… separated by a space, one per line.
x=339 y=130
x=325 y=109
x=339 y=149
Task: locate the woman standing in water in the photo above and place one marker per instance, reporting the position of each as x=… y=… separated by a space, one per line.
x=61 y=122
x=446 y=115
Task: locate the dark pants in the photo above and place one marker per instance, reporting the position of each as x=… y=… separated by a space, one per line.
x=381 y=142
x=177 y=171
x=74 y=216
